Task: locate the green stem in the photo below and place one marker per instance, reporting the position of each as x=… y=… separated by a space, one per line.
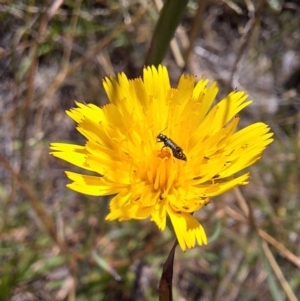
x=167 y=23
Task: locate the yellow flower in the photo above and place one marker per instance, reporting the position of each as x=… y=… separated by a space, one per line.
x=169 y=175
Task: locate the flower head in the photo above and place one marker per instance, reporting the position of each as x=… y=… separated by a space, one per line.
x=161 y=151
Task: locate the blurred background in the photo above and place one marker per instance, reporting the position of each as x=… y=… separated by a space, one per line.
x=54 y=243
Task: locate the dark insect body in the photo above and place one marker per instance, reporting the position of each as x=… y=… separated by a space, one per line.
x=176 y=150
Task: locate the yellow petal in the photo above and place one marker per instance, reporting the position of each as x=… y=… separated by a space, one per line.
x=188 y=230
x=72 y=153
x=92 y=185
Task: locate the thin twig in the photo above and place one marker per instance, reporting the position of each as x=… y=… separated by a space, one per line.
x=196 y=27
x=245 y=39
x=45 y=18
x=283 y=251
x=284 y=284
x=280 y=247
x=93 y=51
x=44 y=218
x=271 y=240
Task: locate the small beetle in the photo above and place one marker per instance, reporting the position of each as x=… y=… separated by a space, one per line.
x=176 y=150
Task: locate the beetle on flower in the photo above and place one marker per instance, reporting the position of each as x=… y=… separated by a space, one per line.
x=176 y=150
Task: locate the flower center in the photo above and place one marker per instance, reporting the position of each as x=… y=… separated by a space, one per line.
x=160 y=171
x=165 y=153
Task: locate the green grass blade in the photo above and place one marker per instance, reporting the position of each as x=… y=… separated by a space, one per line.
x=167 y=23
